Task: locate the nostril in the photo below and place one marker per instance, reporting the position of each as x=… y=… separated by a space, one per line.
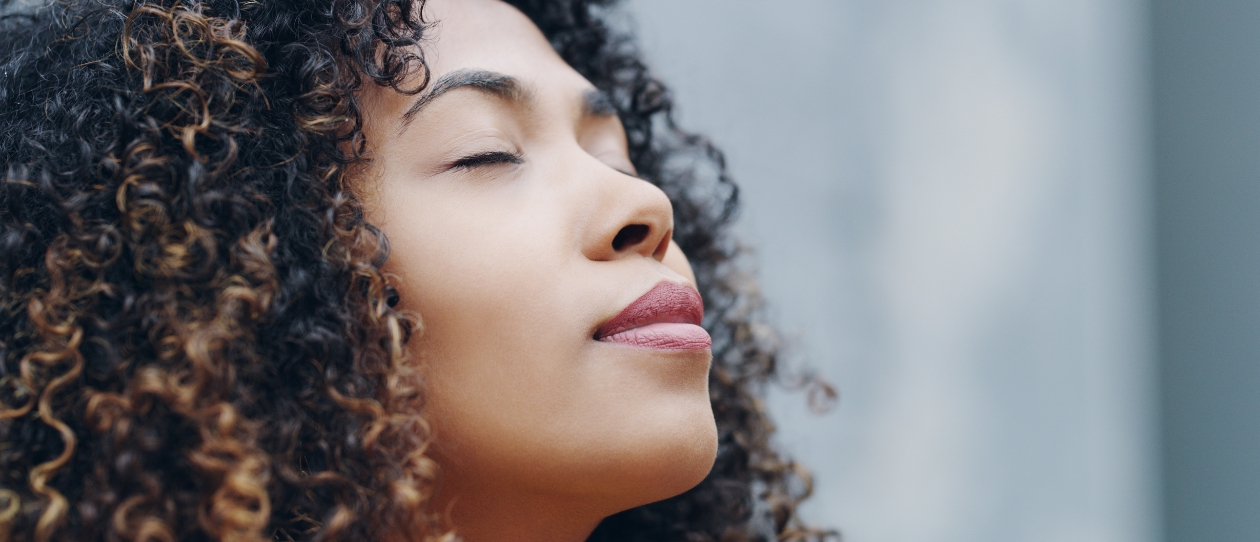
x=629 y=236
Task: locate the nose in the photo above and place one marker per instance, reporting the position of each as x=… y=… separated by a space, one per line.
x=633 y=218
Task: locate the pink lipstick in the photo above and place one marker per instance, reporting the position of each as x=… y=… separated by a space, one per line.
x=667 y=318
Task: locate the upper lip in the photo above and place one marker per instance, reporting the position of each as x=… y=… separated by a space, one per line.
x=667 y=302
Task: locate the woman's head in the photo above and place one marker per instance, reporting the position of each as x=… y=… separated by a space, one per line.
x=517 y=229
x=318 y=270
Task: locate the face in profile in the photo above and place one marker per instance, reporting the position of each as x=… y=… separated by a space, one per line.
x=224 y=322
x=564 y=366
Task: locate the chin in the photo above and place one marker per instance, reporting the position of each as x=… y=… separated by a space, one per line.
x=690 y=464
x=673 y=460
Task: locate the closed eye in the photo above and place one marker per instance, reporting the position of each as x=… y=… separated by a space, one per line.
x=487 y=159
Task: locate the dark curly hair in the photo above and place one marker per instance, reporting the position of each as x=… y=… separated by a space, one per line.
x=197 y=341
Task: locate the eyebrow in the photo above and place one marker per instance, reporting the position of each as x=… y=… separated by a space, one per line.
x=504 y=86
x=595 y=102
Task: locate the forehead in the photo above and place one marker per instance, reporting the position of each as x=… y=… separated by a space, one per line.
x=491 y=35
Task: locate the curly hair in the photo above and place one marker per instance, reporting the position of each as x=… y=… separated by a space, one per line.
x=197 y=341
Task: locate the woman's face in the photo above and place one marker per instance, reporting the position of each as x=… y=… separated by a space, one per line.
x=520 y=236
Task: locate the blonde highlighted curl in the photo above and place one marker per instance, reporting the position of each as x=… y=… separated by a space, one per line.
x=196 y=338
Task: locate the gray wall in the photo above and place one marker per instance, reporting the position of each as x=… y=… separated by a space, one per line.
x=1207 y=126
x=950 y=201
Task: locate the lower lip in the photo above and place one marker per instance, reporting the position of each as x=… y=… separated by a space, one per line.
x=664 y=337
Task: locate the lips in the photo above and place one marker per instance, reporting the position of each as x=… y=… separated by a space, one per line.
x=666 y=318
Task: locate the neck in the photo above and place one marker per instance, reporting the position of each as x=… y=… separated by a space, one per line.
x=504 y=516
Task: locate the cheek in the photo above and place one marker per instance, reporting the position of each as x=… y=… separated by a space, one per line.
x=480 y=279
x=676 y=260
x=500 y=306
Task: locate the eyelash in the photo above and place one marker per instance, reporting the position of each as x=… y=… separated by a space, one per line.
x=490 y=158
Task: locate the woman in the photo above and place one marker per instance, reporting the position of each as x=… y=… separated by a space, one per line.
x=367 y=270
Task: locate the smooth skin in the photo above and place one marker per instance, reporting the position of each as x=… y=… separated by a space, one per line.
x=502 y=195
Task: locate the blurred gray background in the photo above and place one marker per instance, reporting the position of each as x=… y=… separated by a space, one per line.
x=1023 y=239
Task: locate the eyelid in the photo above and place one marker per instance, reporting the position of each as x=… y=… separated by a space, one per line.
x=618 y=162
x=486 y=158
x=609 y=145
